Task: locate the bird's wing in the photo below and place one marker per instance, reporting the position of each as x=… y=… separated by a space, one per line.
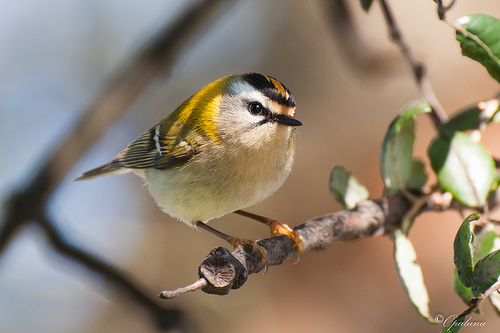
x=166 y=145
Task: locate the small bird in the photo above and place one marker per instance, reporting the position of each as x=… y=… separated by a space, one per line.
x=227 y=147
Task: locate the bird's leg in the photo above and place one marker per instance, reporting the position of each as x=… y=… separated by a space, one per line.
x=235 y=242
x=276 y=228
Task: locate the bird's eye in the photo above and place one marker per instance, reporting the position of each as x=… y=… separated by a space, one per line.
x=256 y=108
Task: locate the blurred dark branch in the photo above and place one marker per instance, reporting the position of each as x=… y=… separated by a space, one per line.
x=438 y=115
x=442 y=9
x=28 y=205
x=356 y=51
x=362 y=56
x=156 y=57
x=166 y=318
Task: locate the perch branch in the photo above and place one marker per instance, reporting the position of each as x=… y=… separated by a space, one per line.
x=222 y=270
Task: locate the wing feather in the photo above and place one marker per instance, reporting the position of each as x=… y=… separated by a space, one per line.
x=163 y=146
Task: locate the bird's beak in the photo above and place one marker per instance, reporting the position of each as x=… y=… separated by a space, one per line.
x=286 y=120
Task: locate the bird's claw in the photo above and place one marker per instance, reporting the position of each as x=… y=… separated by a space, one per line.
x=235 y=242
x=278 y=228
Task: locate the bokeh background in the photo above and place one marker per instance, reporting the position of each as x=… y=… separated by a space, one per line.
x=56 y=54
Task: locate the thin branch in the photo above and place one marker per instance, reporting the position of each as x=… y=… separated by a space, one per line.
x=438 y=115
x=171 y=294
x=157 y=57
x=475 y=304
x=443 y=9
x=354 y=48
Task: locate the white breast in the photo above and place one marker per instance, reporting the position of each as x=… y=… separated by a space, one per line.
x=222 y=179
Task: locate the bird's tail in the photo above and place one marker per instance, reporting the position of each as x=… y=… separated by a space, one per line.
x=105 y=170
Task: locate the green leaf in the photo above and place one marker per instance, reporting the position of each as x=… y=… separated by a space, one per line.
x=417 y=177
x=463 y=250
x=479 y=37
x=366 y=4
x=462 y=121
x=471 y=118
x=346 y=188
x=486 y=273
x=462 y=291
x=399 y=169
x=410 y=274
x=455 y=325
x=463 y=167
x=485 y=244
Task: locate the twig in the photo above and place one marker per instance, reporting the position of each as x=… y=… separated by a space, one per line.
x=443 y=9
x=171 y=294
x=475 y=303
x=438 y=115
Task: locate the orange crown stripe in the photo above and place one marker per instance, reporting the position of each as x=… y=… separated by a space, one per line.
x=278 y=86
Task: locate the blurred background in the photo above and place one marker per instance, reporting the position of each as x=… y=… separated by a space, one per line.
x=56 y=55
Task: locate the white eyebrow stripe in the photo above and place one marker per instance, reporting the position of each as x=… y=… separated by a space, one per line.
x=247 y=91
x=238 y=87
x=156 y=137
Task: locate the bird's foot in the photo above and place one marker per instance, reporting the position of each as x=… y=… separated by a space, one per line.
x=235 y=242
x=278 y=228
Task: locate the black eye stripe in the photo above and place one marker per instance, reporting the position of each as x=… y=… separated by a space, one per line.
x=270 y=89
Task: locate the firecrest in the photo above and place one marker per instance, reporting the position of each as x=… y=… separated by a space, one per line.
x=227 y=147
